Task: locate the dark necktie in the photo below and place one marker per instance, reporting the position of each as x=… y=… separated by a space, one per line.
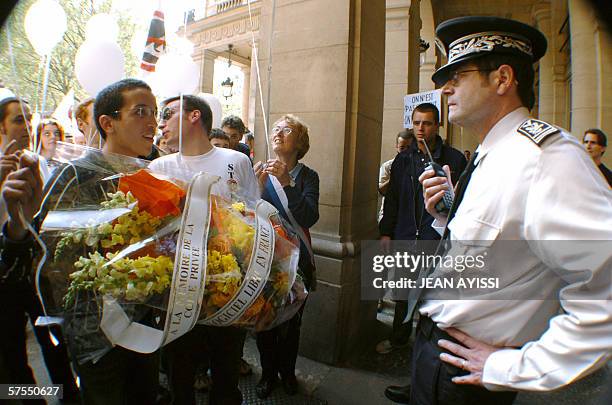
x=415 y=294
x=464 y=179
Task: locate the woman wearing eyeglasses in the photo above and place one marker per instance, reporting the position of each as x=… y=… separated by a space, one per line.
x=294 y=187
x=48 y=132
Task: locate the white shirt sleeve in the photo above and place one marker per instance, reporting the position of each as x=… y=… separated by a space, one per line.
x=568 y=223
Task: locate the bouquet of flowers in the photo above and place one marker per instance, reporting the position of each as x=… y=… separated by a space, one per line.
x=137 y=260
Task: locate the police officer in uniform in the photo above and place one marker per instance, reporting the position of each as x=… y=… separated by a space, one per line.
x=528 y=183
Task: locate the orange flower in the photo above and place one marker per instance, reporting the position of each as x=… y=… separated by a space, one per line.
x=157 y=197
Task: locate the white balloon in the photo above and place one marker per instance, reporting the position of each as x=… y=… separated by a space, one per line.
x=102 y=27
x=216 y=108
x=45 y=25
x=177 y=74
x=98 y=64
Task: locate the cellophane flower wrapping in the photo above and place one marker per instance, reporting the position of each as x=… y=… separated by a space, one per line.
x=117 y=234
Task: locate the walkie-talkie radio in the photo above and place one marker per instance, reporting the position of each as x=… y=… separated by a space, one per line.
x=443 y=206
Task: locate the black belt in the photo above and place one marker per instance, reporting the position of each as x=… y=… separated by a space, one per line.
x=431 y=331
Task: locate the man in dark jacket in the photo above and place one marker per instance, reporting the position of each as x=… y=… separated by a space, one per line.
x=405 y=217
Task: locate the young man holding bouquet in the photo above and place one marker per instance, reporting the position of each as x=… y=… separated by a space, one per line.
x=196 y=154
x=125 y=115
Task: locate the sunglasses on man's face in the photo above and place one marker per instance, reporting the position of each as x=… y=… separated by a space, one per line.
x=167 y=113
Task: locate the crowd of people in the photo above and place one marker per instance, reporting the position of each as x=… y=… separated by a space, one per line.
x=511 y=188
x=123 y=120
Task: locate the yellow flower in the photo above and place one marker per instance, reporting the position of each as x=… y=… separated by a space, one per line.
x=223 y=277
x=239 y=206
x=241 y=233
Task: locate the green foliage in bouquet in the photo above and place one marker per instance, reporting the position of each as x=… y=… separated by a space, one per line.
x=127 y=229
x=130 y=279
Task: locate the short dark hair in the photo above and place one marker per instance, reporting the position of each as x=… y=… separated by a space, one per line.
x=522 y=67
x=4 y=103
x=406 y=134
x=193 y=103
x=110 y=99
x=234 y=122
x=428 y=107
x=217 y=133
x=602 y=139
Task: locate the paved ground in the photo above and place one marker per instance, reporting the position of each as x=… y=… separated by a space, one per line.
x=363 y=379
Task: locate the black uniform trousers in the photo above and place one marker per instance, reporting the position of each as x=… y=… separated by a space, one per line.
x=431 y=380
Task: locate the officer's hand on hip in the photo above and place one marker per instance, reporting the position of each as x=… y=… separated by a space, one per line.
x=471 y=355
x=433 y=191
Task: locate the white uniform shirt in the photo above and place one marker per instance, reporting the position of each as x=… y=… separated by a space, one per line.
x=233 y=167
x=530 y=194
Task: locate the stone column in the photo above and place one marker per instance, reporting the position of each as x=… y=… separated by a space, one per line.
x=207 y=69
x=428 y=33
x=541 y=15
x=329 y=71
x=414 y=34
x=591 y=70
x=585 y=77
x=396 y=74
x=561 y=113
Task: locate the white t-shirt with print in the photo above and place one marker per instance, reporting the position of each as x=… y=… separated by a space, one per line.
x=233 y=167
